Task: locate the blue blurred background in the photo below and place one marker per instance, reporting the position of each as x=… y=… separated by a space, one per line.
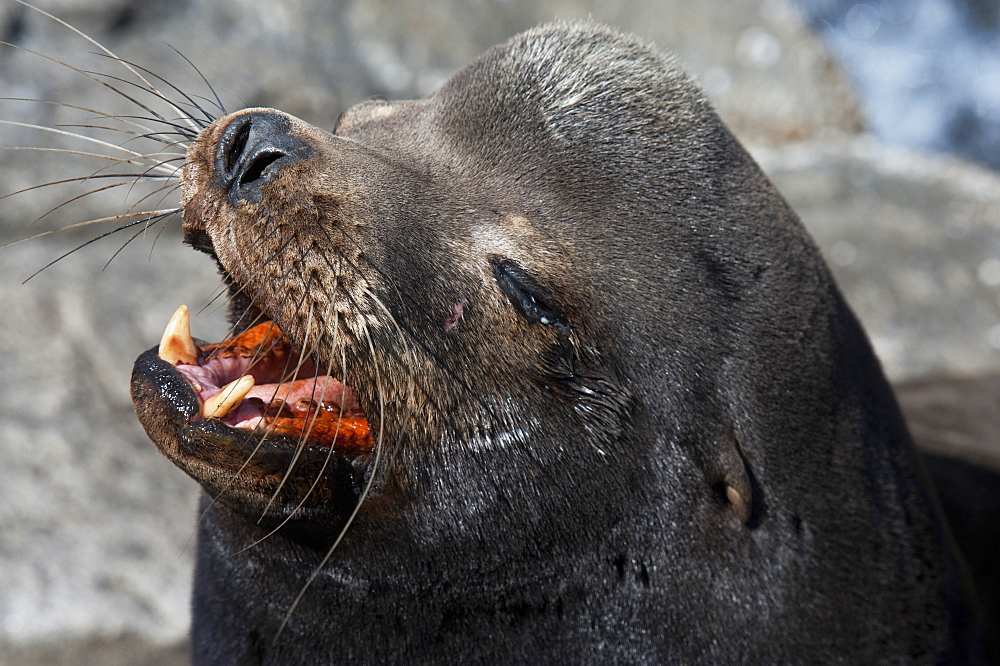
x=927 y=71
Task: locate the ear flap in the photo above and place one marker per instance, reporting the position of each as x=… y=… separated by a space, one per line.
x=728 y=474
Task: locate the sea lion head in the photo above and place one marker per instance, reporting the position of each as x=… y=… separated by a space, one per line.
x=573 y=312
x=477 y=266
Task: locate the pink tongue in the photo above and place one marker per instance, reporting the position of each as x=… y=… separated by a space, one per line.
x=217 y=371
x=318 y=389
x=313 y=407
x=323 y=389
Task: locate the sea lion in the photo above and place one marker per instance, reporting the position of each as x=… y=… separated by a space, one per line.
x=606 y=403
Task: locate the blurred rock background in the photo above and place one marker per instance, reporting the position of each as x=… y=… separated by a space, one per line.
x=95 y=527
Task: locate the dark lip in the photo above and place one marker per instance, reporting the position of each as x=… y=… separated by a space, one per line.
x=271 y=478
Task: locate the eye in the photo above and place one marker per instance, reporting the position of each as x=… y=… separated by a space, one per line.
x=526 y=295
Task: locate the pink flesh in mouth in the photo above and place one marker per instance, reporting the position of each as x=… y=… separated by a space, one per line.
x=288 y=395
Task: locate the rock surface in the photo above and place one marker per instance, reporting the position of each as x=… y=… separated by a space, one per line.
x=95 y=562
x=914 y=242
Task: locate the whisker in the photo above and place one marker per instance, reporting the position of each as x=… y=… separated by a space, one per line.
x=96 y=79
x=80 y=179
x=77 y=198
x=169 y=172
x=322 y=469
x=405 y=331
x=218 y=293
x=240 y=290
x=273 y=325
x=193 y=103
x=218 y=102
x=166 y=188
x=75 y=135
x=159 y=215
x=277 y=252
x=138 y=233
x=340 y=415
x=133 y=180
x=167 y=191
x=236 y=475
x=298 y=307
x=78 y=225
x=172 y=183
x=186 y=132
x=159 y=137
x=195 y=124
x=223 y=290
x=302 y=435
x=77 y=31
x=284 y=373
x=102 y=48
x=361 y=499
x=156 y=239
x=405 y=338
x=116 y=160
x=100 y=114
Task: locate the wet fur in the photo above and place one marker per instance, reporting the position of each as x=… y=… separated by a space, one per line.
x=704 y=464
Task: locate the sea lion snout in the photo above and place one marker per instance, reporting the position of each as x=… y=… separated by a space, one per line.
x=251 y=151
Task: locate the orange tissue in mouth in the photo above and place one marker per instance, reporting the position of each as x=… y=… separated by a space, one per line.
x=257 y=380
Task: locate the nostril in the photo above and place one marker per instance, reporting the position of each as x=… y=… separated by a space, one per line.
x=251 y=151
x=237 y=143
x=258 y=166
x=243 y=141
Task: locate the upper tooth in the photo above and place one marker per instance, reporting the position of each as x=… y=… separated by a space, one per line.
x=228 y=397
x=176 y=345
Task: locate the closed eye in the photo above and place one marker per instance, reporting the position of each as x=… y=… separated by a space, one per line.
x=527 y=296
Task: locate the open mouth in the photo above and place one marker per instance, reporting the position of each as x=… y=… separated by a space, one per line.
x=251 y=418
x=255 y=423
x=257 y=381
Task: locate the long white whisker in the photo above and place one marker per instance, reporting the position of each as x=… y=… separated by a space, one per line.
x=126 y=120
x=117 y=160
x=82 y=137
x=103 y=188
x=302 y=439
x=113 y=218
x=361 y=499
x=326 y=462
x=129 y=178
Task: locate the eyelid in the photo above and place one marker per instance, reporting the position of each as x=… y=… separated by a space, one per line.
x=526 y=295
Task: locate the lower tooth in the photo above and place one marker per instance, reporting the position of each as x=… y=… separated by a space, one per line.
x=220 y=404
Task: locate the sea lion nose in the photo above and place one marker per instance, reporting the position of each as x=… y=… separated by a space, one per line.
x=251 y=152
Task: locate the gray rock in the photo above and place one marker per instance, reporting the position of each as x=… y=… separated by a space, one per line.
x=914 y=242
x=96 y=524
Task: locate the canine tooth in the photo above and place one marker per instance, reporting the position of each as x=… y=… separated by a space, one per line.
x=176 y=345
x=228 y=397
